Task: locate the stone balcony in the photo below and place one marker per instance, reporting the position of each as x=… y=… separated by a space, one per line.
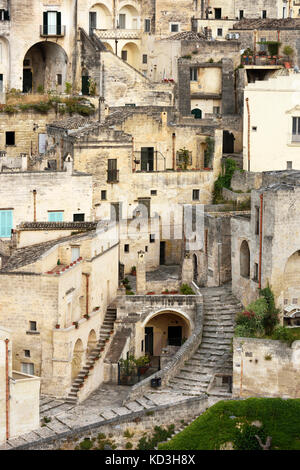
x=118 y=33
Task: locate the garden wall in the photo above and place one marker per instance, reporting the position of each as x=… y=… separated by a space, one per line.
x=265 y=368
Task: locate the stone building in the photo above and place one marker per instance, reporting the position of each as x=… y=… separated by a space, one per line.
x=265 y=244
x=19 y=394
x=55 y=296
x=272 y=144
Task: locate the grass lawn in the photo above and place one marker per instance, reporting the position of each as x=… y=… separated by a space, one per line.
x=280 y=420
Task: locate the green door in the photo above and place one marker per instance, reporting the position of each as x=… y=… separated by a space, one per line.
x=85 y=87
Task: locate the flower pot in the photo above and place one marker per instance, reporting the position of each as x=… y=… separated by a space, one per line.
x=91 y=367
x=57 y=327
x=85 y=377
x=111 y=332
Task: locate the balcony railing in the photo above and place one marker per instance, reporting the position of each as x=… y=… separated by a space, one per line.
x=55 y=30
x=118 y=33
x=112 y=176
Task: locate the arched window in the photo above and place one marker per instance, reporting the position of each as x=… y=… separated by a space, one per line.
x=245 y=260
x=197 y=113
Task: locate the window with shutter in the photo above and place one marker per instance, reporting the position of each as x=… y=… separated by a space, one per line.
x=6 y=223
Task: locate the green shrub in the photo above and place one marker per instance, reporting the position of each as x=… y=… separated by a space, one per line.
x=128 y=445
x=101 y=436
x=86 y=444
x=245 y=439
x=284 y=334
x=185 y=289
x=128 y=434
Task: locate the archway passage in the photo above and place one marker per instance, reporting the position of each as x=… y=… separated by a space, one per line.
x=197 y=113
x=100 y=17
x=130 y=53
x=165 y=329
x=77 y=358
x=245 y=260
x=228 y=142
x=45 y=68
x=291 y=280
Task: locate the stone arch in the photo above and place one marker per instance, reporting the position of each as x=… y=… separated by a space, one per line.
x=130 y=18
x=165 y=328
x=45 y=67
x=291 y=279
x=197 y=113
x=108 y=46
x=4 y=64
x=244 y=259
x=77 y=359
x=92 y=341
x=131 y=54
x=102 y=16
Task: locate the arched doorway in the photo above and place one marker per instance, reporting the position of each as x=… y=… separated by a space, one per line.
x=45 y=68
x=195 y=268
x=228 y=142
x=291 y=280
x=92 y=341
x=128 y=18
x=245 y=260
x=77 y=358
x=163 y=329
x=130 y=54
x=108 y=46
x=4 y=64
x=100 y=17
x=197 y=113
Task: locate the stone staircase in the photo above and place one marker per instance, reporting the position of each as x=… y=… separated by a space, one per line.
x=106 y=328
x=214 y=355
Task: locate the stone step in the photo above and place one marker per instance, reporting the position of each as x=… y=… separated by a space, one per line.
x=134 y=406
x=144 y=402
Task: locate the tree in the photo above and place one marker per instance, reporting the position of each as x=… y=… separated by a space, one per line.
x=289 y=51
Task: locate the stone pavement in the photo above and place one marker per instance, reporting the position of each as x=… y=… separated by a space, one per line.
x=163 y=273
x=103 y=405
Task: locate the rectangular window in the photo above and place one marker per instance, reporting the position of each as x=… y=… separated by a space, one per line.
x=126 y=248
x=264 y=14
x=174 y=27
x=78 y=217
x=145 y=59
x=124 y=55
x=196 y=194
x=296 y=129
x=218 y=13
x=257 y=211
x=27 y=368
x=52 y=23
x=289 y=165
x=153 y=192
x=26 y=353
x=6 y=223
x=112 y=171
x=193 y=74
x=216 y=110
x=103 y=195
x=54 y=216
x=241 y=14
x=152 y=238
x=255 y=272
x=59 y=79
x=10 y=138
x=147 y=25
x=122 y=21
x=220 y=32
x=146 y=249
x=32 y=326
x=42 y=143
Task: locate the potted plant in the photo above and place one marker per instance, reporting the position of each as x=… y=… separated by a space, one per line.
x=111 y=332
x=143 y=364
x=57 y=326
x=150 y=293
x=133 y=271
x=127 y=368
x=75 y=323
x=86 y=316
x=91 y=367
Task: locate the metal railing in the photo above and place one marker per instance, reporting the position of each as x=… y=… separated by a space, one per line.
x=112 y=176
x=55 y=30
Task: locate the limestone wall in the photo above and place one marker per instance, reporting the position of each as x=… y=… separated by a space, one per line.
x=265 y=368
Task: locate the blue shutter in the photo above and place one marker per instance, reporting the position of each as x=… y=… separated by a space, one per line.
x=6 y=224
x=55 y=216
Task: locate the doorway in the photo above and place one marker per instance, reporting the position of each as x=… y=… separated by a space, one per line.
x=228 y=142
x=147 y=158
x=162 y=253
x=85 y=85
x=27 y=80
x=175 y=335
x=93 y=21
x=149 y=340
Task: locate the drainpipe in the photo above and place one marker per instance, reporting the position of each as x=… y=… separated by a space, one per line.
x=87 y=293
x=133 y=164
x=7 y=389
x=34 y=205
x=248 y=111
x=173 y=149
x=260 y=239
